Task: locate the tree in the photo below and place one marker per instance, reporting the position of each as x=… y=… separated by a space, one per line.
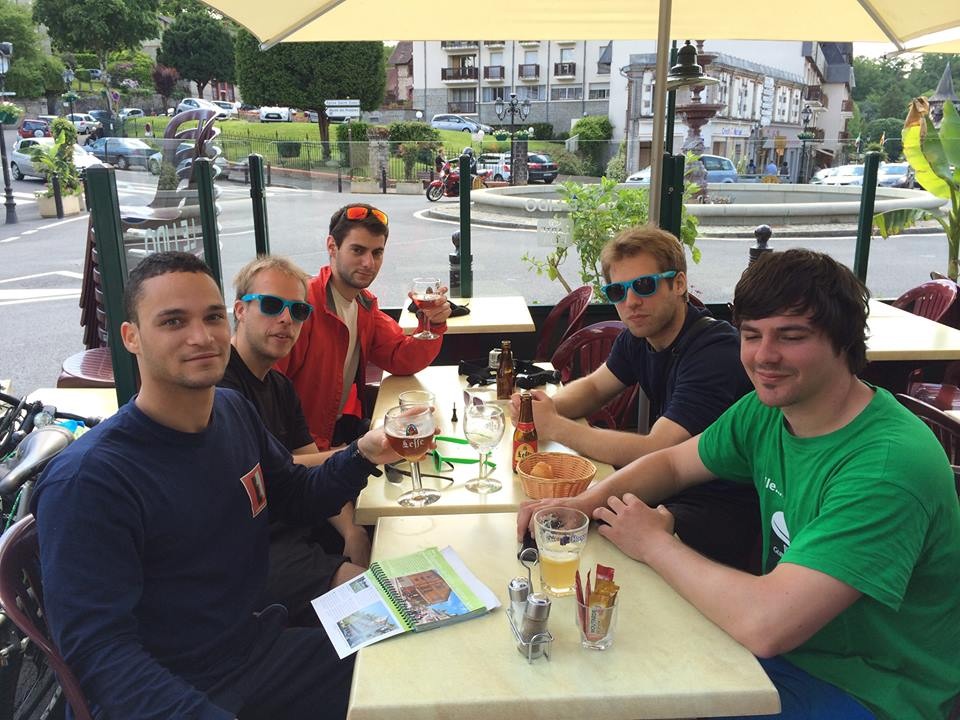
x=100 y=27
x=200 y=47
x=16 y=26
x=883 y=88
x=165 y=79
x=303 y=75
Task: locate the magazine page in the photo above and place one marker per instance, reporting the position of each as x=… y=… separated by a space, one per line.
x=357 y=614
x=433 y=591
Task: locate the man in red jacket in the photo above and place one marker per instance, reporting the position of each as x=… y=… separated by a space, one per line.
x=347 y=330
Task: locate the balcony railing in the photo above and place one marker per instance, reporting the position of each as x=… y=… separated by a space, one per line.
x=814 y=94
x=494 y=72
x=494 y=43
x=459 y=44
x=462 y=107
x=529 y=71
x=846 y=106
x=529 y=42
x=459 y=73
x=565 y=69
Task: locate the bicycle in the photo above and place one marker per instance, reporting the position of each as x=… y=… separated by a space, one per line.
x=29 y=439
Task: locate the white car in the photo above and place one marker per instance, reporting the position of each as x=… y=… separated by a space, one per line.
x=845 y=175
x=83 y=122
x=497 y=163
x=276 y=114
x=131 y=112
x=21 y=161
x=202 y=104
x=232 y=109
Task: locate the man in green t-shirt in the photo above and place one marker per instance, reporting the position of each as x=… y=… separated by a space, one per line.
x=858 y=613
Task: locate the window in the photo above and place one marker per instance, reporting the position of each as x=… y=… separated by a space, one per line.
x=566 y=55
x=599 y=91
x=496 y=58
x=490 y=94
x=566 y=92
x=532 y=92
x=530 y=57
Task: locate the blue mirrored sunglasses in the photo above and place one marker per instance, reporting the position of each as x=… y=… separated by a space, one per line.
x=273 y=305
x=644 y=286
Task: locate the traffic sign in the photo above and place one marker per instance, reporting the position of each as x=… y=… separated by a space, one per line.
x=341 y=103
x=343 y=112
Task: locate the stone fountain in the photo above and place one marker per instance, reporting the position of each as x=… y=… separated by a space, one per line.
x=696 y=114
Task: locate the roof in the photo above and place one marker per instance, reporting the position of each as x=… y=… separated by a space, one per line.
x=944 y=89
x=728 y=61
x=402 y=53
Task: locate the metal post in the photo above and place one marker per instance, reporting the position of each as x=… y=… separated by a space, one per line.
x=466 y=258
x=868 y=195
x=258 y=197
x=383 y=180
x=108 y=236
x=9 y=202
x=203 y=167
x=671 y=106
x=57 y=195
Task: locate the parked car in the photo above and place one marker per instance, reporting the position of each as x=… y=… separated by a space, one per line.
x=458 y=123
x=497 y=163
x=122 y=152
x=95 y=73
x=34 y=127
x=83 y=122
x=822 y=174
x=899 y=175
x=202 y=104
x=156 y=160
x=131 y=112
x=541 y=168
x=845 y=175
x=21 y=160
x=232 y=109
x=719 y=170
x=275 y=114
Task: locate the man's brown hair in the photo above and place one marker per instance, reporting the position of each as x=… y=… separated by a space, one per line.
x=340 y=225
x=644 y=239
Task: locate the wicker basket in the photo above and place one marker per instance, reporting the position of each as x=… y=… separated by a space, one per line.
x=571 y=475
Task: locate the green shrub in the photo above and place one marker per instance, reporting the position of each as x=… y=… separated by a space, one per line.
x=617 y=167
x=133 y=65
x=355 y=132
x=542 y=130
x=86 y=60
x=569 y=163
x=83 y=76
x=288 y=149
x=595 y=132
x=401 y=132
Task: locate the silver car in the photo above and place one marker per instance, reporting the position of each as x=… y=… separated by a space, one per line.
x=21 y=162
x=458 y=123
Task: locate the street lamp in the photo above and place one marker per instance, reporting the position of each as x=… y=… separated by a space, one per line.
x=6 y=52
x=68 y=77
x=515 y=109
x=805 y=116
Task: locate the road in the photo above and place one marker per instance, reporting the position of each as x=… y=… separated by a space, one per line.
x=41 y=261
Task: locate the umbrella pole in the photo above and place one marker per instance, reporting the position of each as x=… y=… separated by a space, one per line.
x=659 y=109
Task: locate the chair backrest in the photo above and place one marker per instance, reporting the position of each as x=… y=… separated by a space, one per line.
x=931 y=299
x=582 y=353
x=21 y=596
x=944 y=426
x=204 y=132
x=564 y=320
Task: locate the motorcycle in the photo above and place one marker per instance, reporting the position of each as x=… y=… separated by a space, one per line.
x=448 y=184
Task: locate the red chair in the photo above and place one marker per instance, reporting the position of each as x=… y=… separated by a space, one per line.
x=21 y=596
x=931 y=299
x=585 y=351
x=569 y=310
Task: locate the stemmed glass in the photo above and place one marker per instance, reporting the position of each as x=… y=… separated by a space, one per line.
x=426 y=295
x=483 y=427
x=409 y=431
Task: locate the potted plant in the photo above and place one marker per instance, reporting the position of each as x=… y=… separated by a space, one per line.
x=934 y=156
x=9 y=113
x=57 y=159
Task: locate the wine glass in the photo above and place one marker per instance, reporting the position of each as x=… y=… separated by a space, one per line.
x=426 y=295
x=483 y=427
x=417 y=399
x=409 y=432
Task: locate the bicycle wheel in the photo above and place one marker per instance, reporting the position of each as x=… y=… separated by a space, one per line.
x=36 y=695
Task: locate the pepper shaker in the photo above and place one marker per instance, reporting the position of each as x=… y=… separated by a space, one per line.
x=533 y=628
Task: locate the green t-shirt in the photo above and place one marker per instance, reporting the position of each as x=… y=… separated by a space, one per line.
x=873 y=505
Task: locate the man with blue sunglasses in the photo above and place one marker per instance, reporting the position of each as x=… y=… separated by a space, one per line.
x=687 y=363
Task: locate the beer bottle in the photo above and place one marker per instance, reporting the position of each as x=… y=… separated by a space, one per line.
x=505 y=372
x=525 y=435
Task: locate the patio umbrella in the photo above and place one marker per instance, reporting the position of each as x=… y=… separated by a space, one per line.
x=824 y=20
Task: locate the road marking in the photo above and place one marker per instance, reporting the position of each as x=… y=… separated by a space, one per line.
x=29 y=232
x=63 y=273
x=22 y=301
x=63 y=222
x=10 y=239
x=37 y=293
x=235 y=234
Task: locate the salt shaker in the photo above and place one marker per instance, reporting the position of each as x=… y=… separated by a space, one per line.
x=533 y=628
x=518 y=589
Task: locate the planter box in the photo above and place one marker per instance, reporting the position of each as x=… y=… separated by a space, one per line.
x=364 y=186
x=409 y=188
x=72 y=205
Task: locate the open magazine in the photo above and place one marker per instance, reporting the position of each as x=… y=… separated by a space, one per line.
x=415 y=592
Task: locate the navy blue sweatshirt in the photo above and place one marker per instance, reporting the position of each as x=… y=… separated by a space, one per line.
x=154 y=551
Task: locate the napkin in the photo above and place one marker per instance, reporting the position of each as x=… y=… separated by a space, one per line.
x=455 y=310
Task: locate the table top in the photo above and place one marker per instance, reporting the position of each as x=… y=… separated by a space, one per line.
x=894 y=334
x=380 y=497
x=89 y=402
x=667 y=659
x=504 y=314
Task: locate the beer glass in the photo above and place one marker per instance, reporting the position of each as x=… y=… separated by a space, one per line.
x=426 y=295
x=409 y=432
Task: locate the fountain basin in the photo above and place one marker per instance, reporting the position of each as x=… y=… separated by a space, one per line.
x=749 y=203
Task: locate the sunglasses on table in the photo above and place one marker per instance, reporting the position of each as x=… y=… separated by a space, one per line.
x=644 y=286
x=361 y=212
x=273 y=305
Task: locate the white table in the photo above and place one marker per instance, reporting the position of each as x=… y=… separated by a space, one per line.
x=667 y=660
x=494 y=315
x=894 y=334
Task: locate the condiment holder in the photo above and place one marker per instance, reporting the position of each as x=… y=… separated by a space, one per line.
x=530 y=629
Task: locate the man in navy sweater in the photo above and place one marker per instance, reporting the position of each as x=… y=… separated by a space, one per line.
x=153 y=530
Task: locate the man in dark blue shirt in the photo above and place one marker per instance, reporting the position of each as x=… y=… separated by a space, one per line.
x=154 y=525
x=688 y=365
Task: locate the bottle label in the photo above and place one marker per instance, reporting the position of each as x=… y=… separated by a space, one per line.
x=521 y=451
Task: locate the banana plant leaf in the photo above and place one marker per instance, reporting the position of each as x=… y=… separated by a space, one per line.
x=894 y=222
x=950 y=138
x=927 y=158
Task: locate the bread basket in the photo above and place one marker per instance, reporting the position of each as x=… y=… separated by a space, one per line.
x=571 y=475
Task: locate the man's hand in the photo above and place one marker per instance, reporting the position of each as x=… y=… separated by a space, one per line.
x=514 y=407
x=635 y=527
x=438 y=314
x=529 y=507
x=545 y=415
x=374 y=447
x=356 y=546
